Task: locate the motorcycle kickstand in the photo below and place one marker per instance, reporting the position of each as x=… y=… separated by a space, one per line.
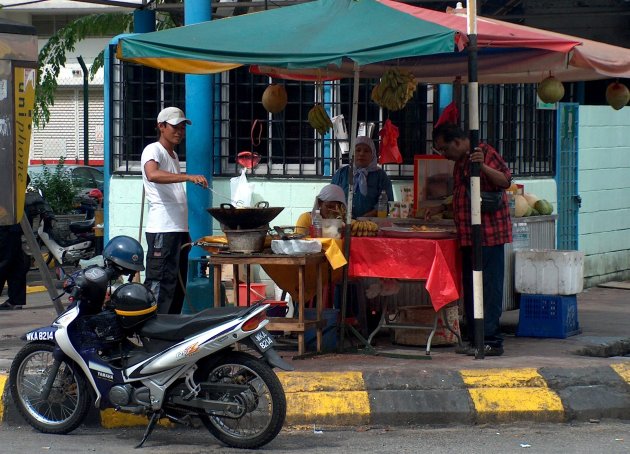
x=155 y=417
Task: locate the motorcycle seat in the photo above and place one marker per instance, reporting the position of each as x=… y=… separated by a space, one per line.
x=178 y=327
x=82 y=226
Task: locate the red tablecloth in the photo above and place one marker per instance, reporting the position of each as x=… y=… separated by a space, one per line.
x=436 y=261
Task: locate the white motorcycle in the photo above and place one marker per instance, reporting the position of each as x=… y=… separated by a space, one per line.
x=122 y=355
x=67 y=244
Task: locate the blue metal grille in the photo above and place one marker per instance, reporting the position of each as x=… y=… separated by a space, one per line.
x=567 y=179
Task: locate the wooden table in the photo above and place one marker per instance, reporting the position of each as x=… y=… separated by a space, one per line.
x=301 y=262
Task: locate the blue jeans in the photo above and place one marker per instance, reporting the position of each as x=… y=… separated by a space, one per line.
x=493 y=269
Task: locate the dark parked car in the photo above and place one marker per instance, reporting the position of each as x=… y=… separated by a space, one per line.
x=85 y=178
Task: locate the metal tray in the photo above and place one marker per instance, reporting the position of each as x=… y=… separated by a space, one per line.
x=408 y=232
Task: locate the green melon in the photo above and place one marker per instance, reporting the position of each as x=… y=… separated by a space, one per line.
x=543 y=207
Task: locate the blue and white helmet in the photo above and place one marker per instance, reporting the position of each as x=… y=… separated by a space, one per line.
x=125 y=252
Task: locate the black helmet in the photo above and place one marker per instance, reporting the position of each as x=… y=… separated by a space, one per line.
x=125 y=252
x=134 y=304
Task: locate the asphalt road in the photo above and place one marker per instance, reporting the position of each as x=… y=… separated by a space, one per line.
x=610 y=437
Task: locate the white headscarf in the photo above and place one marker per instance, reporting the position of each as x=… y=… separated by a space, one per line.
x=360 y=174
x=329 y=193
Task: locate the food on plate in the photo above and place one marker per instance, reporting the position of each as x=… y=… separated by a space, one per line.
x=363 y=228
x=426 y=228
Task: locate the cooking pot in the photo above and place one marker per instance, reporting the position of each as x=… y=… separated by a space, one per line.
x=234 y=218
x=246 y=240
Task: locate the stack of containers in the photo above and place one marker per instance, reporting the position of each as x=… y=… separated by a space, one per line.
x=548 y=281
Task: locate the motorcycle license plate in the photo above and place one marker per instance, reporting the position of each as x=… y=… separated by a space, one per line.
x=262 y=339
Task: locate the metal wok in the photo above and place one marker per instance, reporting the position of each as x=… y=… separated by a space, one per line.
x=244 y=218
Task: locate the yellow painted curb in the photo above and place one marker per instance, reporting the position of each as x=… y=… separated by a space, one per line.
x=35 y=288
x=3 y=382
x=330 y=398
x=503 y=378
x=328 y=408
x=623 y=369
x=502 y=394
x=294 y=382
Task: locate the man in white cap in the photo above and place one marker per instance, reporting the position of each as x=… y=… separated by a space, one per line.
x=167 y=222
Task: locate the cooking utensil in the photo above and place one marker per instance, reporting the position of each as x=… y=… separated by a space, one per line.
x=285 y=233
x=246 y=240
x=234 y=218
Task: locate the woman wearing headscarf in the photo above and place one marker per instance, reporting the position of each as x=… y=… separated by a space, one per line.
x=331 y=203
x=369 y=179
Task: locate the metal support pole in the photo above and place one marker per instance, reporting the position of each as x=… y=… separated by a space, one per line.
x=348 y=231
x=86 y=123
x=43 y=269
x=475 y=182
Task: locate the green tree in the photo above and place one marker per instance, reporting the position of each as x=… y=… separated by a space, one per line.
x=52 y=56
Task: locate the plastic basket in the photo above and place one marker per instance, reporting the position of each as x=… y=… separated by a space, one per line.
x=548 y=316
x=61 y=226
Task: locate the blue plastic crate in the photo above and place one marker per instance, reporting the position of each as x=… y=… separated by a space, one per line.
x=548 y=316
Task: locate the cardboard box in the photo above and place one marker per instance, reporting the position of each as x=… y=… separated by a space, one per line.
x=424 y=315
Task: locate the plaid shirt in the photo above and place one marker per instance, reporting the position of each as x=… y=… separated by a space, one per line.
x=496 y=227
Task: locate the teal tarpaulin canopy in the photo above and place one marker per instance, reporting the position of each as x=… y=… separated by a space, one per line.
x=326 y=38
x=308 y=35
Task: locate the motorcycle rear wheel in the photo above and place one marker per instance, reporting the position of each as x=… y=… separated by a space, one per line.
x=69 y=400
x=262 y=409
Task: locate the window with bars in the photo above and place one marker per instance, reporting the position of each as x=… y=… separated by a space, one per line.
x=290 y=147
x=523 y=134
x=137 y=94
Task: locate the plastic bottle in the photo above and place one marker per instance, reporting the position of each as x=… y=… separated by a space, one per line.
x=520 y=235
x=317 y=225
x=381 y=207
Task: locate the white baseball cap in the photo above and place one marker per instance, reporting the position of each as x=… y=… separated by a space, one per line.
x=173 y=116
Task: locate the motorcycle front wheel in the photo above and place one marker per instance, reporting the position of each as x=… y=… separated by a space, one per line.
x=68 y=401
x=259 y=412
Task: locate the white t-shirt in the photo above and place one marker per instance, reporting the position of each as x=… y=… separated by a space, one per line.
x=168 y=208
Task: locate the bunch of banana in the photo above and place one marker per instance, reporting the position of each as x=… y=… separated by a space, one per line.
x=395 y=89
x=318 y=118
x=363 y=228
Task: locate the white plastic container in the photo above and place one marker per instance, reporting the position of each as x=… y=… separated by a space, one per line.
x=549 y=272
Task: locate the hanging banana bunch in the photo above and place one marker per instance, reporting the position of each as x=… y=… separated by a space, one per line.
x=395 y=89
x=318 y=118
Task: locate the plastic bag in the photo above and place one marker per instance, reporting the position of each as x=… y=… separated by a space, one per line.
x=450 y=114
x=389 y=152
x=241 y=191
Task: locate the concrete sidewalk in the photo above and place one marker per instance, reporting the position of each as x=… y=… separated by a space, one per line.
x=582 y=377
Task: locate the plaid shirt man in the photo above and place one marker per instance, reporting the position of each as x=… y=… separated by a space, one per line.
x=496 y=227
